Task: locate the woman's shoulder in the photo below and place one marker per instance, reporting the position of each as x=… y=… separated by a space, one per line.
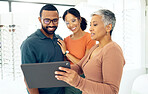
x=112 y=46
x=67 y=38
x=87 y=34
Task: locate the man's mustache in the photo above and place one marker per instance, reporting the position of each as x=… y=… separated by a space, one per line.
x=51 y=26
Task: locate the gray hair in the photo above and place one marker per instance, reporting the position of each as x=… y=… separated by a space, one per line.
x=108 y=17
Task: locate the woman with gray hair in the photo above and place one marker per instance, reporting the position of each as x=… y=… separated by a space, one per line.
x=104 y=63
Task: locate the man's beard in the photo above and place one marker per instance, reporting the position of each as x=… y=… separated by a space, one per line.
x=49 y=32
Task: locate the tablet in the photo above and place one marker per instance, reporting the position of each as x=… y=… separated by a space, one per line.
x=42 y=75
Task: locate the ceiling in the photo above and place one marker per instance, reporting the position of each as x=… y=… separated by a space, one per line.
x=65 y=2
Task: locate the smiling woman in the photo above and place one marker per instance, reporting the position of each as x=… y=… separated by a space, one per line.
x=78 y=43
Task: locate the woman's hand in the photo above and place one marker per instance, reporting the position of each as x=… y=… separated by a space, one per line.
x=69 y=76
x=62 y=45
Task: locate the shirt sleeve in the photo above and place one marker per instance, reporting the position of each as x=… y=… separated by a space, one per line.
x=78 y=67
x=27 y=53
x=112 y=67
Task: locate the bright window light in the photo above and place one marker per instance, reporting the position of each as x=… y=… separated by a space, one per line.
x=4 y=8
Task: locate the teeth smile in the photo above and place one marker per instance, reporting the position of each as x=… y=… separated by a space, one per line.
x=92 y=34
x=74 y=28
x=51 y=28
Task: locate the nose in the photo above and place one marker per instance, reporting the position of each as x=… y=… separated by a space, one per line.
x=90 y=29
x=51 y=24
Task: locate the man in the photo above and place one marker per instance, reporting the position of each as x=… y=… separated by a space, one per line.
x=41 y=46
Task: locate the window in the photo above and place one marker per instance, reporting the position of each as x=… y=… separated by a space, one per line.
x=4 y=8
x=129 y=28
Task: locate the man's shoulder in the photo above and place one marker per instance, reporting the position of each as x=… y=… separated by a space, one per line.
x=33 y=37
x=58 y=36
x=30 y=39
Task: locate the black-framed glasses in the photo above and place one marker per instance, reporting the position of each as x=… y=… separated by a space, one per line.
x=48 y=21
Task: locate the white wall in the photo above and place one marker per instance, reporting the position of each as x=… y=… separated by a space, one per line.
x=146 y=36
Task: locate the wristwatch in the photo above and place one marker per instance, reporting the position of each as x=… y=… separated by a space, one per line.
x=66 y=53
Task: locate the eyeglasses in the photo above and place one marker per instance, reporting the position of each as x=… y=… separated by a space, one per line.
x=48 y=21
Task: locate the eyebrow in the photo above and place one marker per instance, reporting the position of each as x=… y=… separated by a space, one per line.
x=72 y=19
x=93 y=22
x=51 y=19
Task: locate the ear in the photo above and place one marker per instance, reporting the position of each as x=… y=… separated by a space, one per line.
x=108 y=28
x=40 y=19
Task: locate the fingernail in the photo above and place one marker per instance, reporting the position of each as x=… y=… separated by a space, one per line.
x=57 y=77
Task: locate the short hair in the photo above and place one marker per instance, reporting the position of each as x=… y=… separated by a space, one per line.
x=108 y=17
x=48 y=7
x=76 y=13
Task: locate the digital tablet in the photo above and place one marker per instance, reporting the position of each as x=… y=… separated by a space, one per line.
x=42 y=75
